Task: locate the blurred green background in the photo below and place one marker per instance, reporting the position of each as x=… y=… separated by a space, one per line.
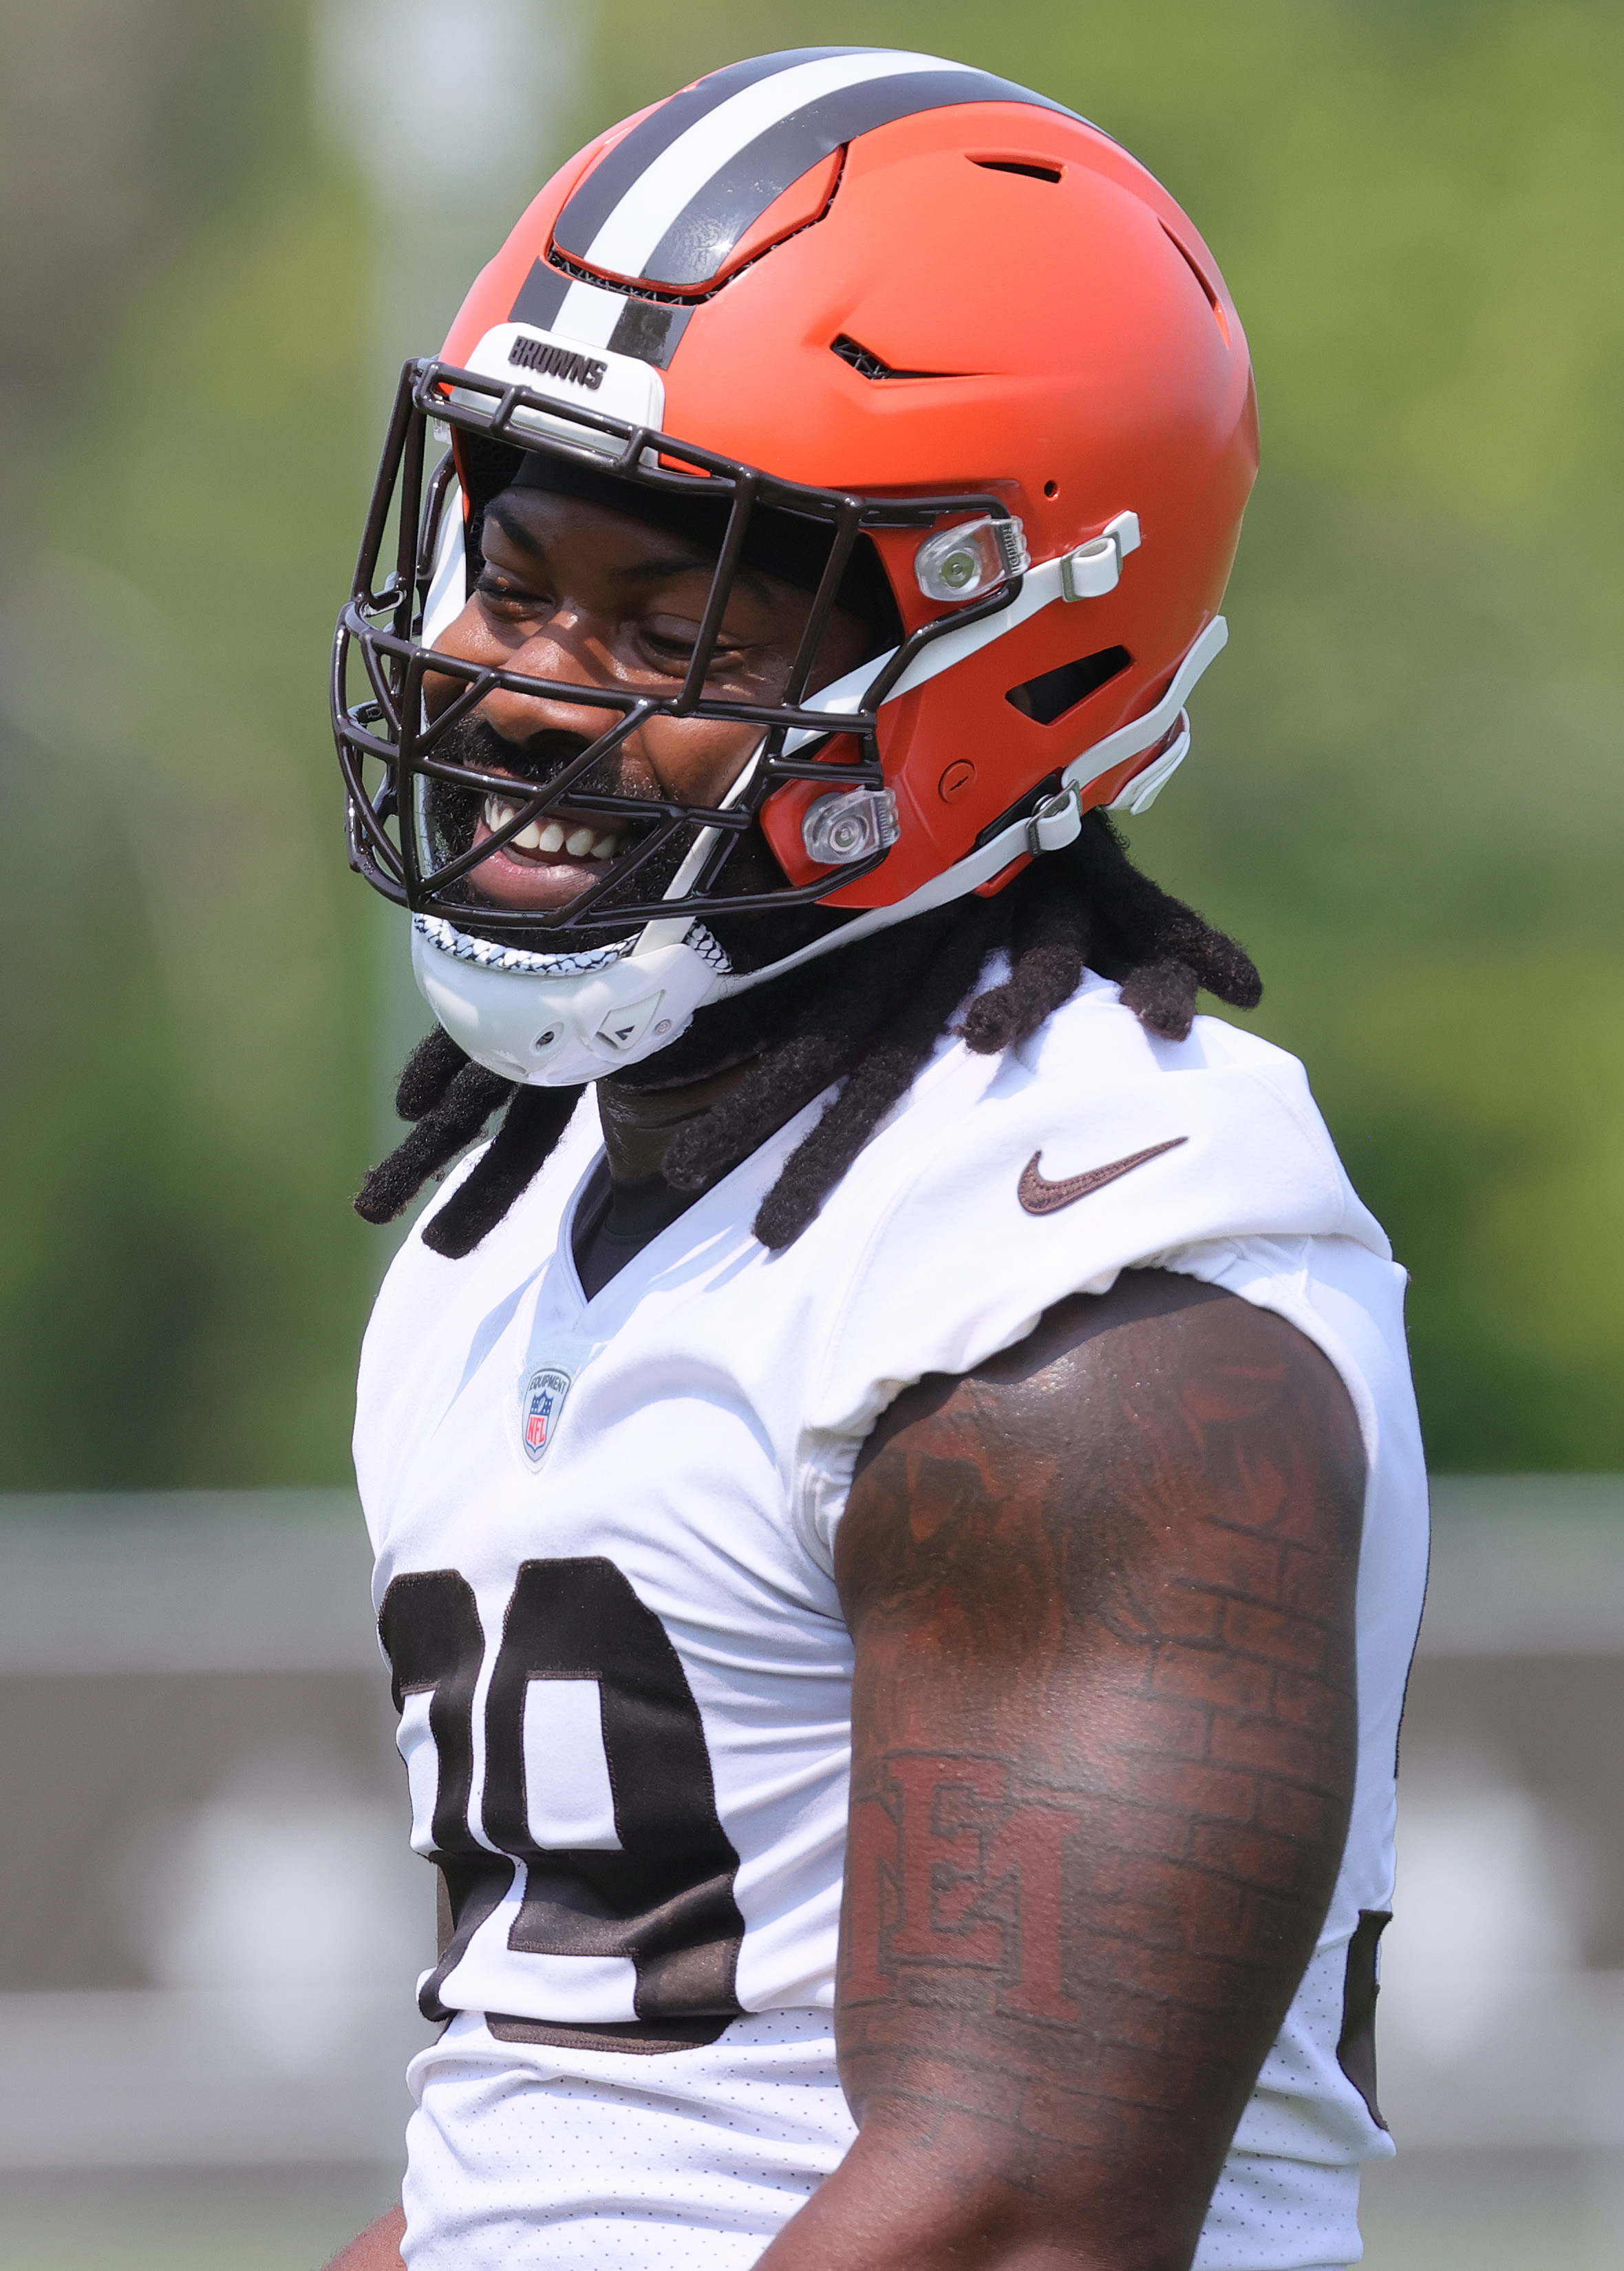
x=217 y=230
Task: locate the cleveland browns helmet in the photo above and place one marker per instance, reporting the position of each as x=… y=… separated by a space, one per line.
x=905 y=331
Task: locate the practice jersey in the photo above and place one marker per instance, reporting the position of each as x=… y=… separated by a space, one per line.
x=605 y=1529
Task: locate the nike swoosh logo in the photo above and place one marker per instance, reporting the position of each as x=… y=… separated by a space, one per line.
x=1038 y=1196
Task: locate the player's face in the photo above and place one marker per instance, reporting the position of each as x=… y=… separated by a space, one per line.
x=574 y=591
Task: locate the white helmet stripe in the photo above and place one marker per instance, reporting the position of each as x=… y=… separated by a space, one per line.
x=702 y=237
x=596 y=197
x=667 y=204
x=628 y=236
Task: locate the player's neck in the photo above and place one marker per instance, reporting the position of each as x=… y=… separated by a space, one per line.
x=638 y=1124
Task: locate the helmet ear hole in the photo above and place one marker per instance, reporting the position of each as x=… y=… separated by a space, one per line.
x=1209 y=288
x=1046 y=698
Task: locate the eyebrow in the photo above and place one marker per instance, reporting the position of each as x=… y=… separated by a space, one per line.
x=649 y=570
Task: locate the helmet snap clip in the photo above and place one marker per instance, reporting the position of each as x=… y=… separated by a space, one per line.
x=1095 y=568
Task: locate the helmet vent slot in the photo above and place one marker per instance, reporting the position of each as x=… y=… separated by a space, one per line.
x=867 y=364
x=1047 y=697
x=1034 y=168
x=1208 y=289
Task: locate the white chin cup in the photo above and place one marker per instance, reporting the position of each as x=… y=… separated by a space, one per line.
x=548 y=1021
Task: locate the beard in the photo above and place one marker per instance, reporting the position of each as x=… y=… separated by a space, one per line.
x=452 y=818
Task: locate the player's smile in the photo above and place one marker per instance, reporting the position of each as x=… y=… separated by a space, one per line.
x=575 y=592
x=543 y=866
x=552 y=858
x=535 y=843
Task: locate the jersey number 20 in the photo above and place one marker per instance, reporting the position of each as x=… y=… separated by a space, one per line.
x=632 y=1862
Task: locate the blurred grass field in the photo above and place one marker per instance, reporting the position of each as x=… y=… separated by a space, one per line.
x=1406 y=795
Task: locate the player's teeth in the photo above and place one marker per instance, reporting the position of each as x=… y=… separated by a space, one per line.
x=550 y=838
x=529 y=839
x=497 y=814
x=606 y=847
x=578 y=843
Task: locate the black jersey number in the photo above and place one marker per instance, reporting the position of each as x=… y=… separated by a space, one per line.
x=664 y=1898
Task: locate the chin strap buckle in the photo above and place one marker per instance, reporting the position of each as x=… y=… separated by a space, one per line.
x=1057 y=821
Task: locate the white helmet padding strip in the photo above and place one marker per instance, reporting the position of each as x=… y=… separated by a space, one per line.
x=1144 y=789
x=1144 y=733
x=674 y=932
x=447 y=594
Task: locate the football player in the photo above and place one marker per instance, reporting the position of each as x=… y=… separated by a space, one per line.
x=899 y=1516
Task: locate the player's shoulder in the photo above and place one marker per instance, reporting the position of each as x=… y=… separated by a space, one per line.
x=1094 y=1039
x=1093 y=1148
x=1242 y=1107
x=1094 y=1086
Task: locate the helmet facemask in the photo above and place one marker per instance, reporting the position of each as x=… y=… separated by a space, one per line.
x=427 y=798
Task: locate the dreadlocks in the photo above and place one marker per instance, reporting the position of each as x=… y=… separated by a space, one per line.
x=865 y=1016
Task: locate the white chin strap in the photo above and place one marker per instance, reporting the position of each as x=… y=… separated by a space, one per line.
x=561 y=1020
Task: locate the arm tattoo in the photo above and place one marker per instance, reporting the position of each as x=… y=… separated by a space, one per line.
x=1103 y=1739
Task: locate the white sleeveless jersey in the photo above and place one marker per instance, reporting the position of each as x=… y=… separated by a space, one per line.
x=604 y=1536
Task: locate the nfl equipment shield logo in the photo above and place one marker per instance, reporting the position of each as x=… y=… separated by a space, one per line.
x=540 y=1405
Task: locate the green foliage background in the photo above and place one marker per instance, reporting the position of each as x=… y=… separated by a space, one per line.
x=1406 y=795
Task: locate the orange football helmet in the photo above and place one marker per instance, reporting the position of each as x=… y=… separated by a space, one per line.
x=899 y=304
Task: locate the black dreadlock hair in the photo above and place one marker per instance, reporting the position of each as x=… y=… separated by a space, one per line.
x=867 y=1016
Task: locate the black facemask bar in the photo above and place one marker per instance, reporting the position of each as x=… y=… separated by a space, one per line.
x=419 y=862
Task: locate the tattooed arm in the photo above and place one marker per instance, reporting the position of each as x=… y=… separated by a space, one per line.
x=1104 y=1736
